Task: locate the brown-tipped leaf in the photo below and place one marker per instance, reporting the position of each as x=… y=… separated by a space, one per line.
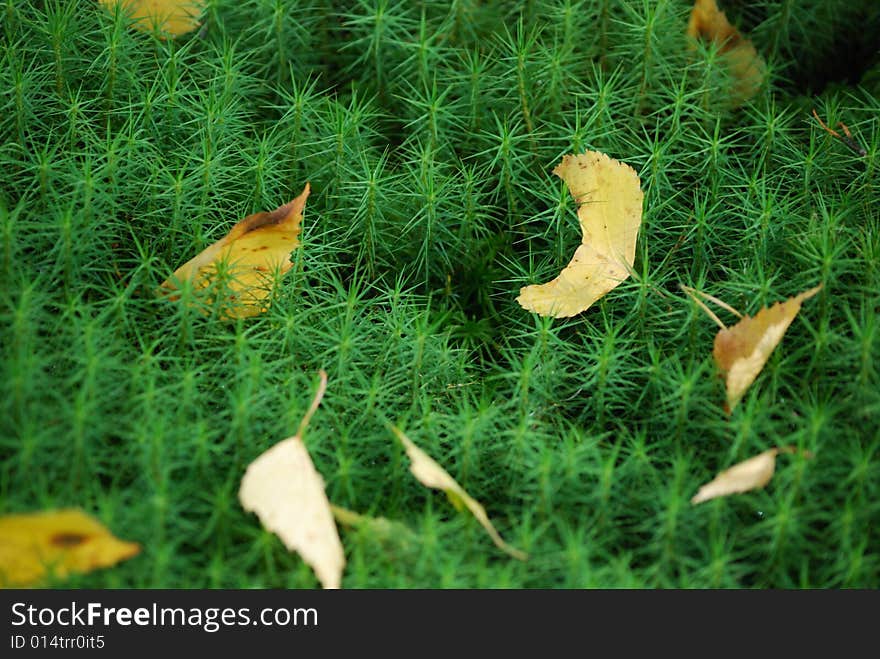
x=742 y=350
x=245 y=264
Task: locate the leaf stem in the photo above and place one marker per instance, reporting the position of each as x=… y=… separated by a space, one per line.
x=319 y=394
x=694 y=293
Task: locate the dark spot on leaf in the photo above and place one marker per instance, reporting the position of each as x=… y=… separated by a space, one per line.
x=67 y=539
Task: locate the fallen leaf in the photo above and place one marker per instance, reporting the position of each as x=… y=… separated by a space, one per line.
x=750 y=474
x=58 y=542
x=747 y=68
x=286 y=492
x=171 y=17
x=742 y=350
x=248 y=261
x=432 y=475
x=610 y=212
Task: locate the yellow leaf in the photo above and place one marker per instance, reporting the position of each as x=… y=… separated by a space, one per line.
x=286 y=492
x=750 y=474
x=431 y=474
x=747 y=68
x=742 y=350
x=247 y=261
x=610 y=213
x=172 y=17
x=33 y=545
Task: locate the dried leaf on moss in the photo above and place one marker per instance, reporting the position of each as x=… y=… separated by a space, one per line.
x=57 y=542
x=287 y=493
x=610 y=212
x=243 y=267
x=167 y=17
x=742 y=350
x=746 y=67
x=751 y=474
x=431 y=474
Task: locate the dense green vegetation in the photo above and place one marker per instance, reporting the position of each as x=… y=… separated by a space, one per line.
x=428 y=131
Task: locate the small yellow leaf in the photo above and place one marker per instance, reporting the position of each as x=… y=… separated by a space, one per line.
x=431 y=474
x=742 y=350
x=33 y=545
x=610 y=212
x=248 y=261
x=286 y=492
x=747 y=68
x=751 y=474
x=171 y=17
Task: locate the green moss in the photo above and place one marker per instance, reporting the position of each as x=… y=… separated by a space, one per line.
x=428 y=132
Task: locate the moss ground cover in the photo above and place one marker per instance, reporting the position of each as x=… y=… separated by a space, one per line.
x=428 y=131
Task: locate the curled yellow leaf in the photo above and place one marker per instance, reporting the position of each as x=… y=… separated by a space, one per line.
x=431 y=474
x=168 y=17
x=247 y=262
x=742 y=350
x=59 y=542
x=610 y=212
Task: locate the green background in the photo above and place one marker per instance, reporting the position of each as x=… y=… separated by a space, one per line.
x=428 y=131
